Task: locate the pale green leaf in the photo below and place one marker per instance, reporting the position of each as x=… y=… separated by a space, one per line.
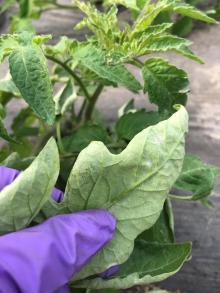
x=191 y=11
x=166 y=84
x=21 y=25
x=7 y=86
x=149 y=263
x=30 y=74
x=7 y=44
x=40 y=39
x=127 y=185
x=163 y=43
x=149 y=14
x=65 y=98
x=152 y=30
x=21 y=201
x=185 y=51
x=94 y=59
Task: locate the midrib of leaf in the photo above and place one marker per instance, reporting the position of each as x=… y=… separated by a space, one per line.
x=160 y=81
x=123 y=194
x=94 y=185
x=163 y=266
x=146 y=272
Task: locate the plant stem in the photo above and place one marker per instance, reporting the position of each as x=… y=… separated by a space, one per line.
x=59 y=138
x=137 y=63
x=91 y=105
x=72 y=73
x=180 y=197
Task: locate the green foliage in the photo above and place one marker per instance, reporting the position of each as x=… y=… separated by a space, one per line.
x=29 y=191
x=165 y=83
x=94 y=59
x=80 y=139
x=131 y=123
x=139 y=168
x=148 y=263
x=129 y=166
x=197 y=178
x=30 y=74
x=163 y=230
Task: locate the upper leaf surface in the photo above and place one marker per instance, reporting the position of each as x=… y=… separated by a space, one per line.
x=132 y=185
x=30 y=74
x=148 y=263
x=131 y=123
x=166 y=84
x=94 y=59
x=21 y=201
x=197 y=177
x=82 y=138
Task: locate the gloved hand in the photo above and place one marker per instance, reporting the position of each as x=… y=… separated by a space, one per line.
x=43 y=258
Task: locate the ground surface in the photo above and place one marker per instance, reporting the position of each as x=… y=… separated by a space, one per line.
x=193 y=222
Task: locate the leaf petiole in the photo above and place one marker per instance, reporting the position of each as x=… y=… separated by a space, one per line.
x=72 y=73
x=59 y=138
x=180 y=197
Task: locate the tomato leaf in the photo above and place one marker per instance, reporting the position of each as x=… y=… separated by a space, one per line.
x=148 y=263
x=166 y=84
x=30 y=74
x=21 y=201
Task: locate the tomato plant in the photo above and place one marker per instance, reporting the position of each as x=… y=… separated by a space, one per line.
x=130 y=168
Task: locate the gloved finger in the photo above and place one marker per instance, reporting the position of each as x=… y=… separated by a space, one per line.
x=8 y=175
x=43 y=258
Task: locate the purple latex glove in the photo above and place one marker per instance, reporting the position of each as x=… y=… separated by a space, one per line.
x=8 y=175
x=43 y=258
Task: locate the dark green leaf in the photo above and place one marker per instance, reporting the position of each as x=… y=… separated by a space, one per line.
x=197 y=177
x=16 y=162
x=22 y=123
x=82 y=138
x=166 y=84
x=149 y=263
x=30 y=74
x=4 y=133
x=131 y=123
x=25 y=7
x=163 y=230
x=182 y=27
